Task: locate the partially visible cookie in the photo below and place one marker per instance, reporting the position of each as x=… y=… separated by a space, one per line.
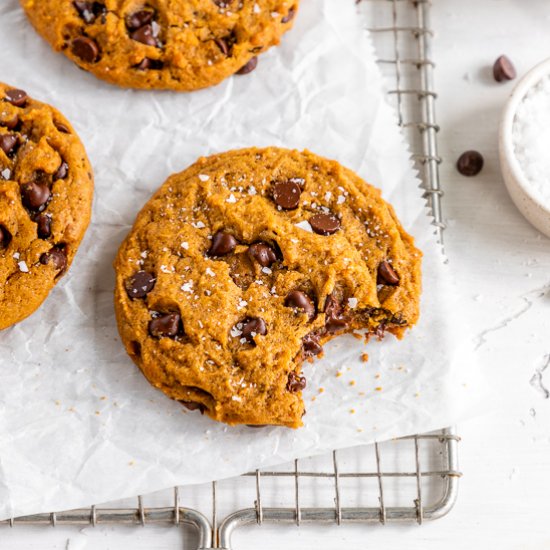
x=46 y=189
x=170 y=44
x=244 y=265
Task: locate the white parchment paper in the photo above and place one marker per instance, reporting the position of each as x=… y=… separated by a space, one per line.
x=78 y=422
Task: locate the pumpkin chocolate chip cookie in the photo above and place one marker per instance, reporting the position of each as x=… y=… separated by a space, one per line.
x=244 y=265
x=170 y=44
x=46 y=189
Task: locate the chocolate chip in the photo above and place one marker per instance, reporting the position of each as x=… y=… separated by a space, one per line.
x=16 y=97
x=311 y=344
x=10 y=123
x=503 y=69
x=44 y=225
x=295 y=383
x=193 y=406
x=222 y=244
x=86 y=49
x=335 y=321
x=300 y=300
x=62 y=128
x=89 y=10
x=148 y=63
x=470 y=163
x=222 y=44
x=139 y=19
x=168 y=324
x=144 y=35
x=253 y=326
x=35 y=196
x=289 y=16
x=263 y=254
x=62 y=171
x=140 y=284
x=324 y=224
x=8 y=142
x=5 y=237
x=249 y=67
x=387 y=275
x=286 y=194
x=56 y=256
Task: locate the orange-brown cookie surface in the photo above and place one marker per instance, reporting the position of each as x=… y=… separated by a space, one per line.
x=46 y=189
x=244 y=265
x=170 y=44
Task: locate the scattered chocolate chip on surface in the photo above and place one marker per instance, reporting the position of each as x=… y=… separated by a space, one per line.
x=139 y=18
x=168 y=324
x=56 y=257
x=470 y=163
x=35 y=196
x=252 y=326
x=16 y=97
x=44 y=225
x=86 y=49
x=295 y=383
x=140 y=284
x=300 y=300
x=263 y=254
x=8 y=143
x=144 y=35
x=504 y=69
x=386 y=274
x=62 y=171
x=286 y=194
x=222 y=244
x=324 y=224
x=248 y=67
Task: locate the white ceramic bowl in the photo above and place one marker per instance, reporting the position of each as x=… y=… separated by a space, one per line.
x=513 y=175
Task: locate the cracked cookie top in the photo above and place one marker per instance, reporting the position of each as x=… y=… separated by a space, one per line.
x=46 y=189
x=170 y=44
x=244 y=265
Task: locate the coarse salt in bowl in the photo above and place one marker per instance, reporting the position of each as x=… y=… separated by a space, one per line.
x=524 y=146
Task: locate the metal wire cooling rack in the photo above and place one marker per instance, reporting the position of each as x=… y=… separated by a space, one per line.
x=411 y=479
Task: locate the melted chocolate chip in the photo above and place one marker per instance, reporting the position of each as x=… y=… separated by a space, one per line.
x=334 y=319
x=470 y=163
x=311 y=344
x=56 y=256
x=193 y=406
x=10 y=123
x=5 y=237
x=8 y=143
x=504 y=69
x=223 y=45
x=89 y=11
x=324 y=224
x=168 y=324
x=86 y=49
x=16 y=97
x=249 y=67
x=62 y=128
x=286 y=194
x=289 y=16
x=300 y=300
x=62 y=171
x=35 y=196
x=148 y=63
x=263 y=254
x=295 y=383
x=253 y=326
x=140 y=284
x=139 y=19
x=222 y=244
x=44 y=225
x=144 y=35
x=387 y=275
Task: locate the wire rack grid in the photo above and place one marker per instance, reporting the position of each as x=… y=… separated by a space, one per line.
x=411 y=479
